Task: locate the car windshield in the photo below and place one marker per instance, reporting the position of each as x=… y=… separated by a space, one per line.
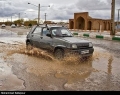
x=61 y=32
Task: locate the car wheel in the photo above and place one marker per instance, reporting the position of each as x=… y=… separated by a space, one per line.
x=29 y=46
x=59 y=54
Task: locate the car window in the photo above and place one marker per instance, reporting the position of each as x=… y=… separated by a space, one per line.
x=56 y=32
x=61 y=32
x=37 y=30
x=65 y=32
x=45 y=31
x=32 y=29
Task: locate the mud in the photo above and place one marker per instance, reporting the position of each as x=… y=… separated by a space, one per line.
x=37 y=54
x=96 y=71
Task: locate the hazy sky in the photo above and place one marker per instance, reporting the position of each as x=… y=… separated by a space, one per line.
x=58 y=10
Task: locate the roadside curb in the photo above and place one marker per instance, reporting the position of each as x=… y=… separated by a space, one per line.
x=97 y=36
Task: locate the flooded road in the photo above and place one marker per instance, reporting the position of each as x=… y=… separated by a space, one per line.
x=37 y=70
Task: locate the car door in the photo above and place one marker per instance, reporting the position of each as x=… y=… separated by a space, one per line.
x=45 y=40
x=35 y=37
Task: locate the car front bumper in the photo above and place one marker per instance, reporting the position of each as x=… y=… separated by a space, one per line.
x=81 y=52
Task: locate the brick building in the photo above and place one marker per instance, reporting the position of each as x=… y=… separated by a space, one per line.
x=83 y=21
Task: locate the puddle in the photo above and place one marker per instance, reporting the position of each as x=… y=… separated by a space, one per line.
x=42 y=66
x=106 y=62
x=101 y=60
x=11 y=33
x=73 y=77
x=6 y=33
x=9 y=81
x=97 y=81
x=75 y=71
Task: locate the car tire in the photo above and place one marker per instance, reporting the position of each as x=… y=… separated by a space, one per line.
x=29 y=46
x=59 y=54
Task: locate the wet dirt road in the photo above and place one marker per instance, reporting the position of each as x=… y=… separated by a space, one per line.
x=37 y=70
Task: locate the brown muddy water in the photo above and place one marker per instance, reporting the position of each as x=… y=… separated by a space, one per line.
x=8 y=81
x=72 y=69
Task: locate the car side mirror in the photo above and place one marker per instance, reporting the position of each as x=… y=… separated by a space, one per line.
x=47 y=28
x=49 y=35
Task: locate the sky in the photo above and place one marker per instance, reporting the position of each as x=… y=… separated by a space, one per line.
x=62 y=10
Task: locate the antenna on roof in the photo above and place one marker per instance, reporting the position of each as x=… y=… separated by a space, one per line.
x=46 y=25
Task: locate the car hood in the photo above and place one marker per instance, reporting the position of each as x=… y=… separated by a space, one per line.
x=75 y=40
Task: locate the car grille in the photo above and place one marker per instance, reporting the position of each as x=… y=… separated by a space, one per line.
x=83 y=45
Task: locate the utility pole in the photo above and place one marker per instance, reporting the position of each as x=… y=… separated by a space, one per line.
x=112 y=32
x=118 y=19
x=45 y=17
x=19 y=19
x=11 y=19
x=19 y=16
x=38 y=13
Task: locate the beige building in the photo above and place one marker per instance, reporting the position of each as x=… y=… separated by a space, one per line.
x=83 y=21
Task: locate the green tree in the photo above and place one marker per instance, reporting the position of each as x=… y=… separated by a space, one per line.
x=30 y=25
x=19 y=22
x=30 y=22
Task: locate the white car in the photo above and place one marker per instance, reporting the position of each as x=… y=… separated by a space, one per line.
x=13 y=26
x=3 y=26
x=22 y=25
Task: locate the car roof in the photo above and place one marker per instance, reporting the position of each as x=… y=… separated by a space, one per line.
x=49 y=26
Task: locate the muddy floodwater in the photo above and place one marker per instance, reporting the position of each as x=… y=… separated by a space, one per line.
x=38 y=70
x=101 y=72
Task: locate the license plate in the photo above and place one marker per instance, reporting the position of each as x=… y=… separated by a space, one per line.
x=85 y=52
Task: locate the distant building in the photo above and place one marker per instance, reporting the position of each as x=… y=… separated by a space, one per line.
x=84 y=22
x=49 y=22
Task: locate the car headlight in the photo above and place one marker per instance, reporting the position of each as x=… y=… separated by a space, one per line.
x=74 y=46
x=90 y=45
